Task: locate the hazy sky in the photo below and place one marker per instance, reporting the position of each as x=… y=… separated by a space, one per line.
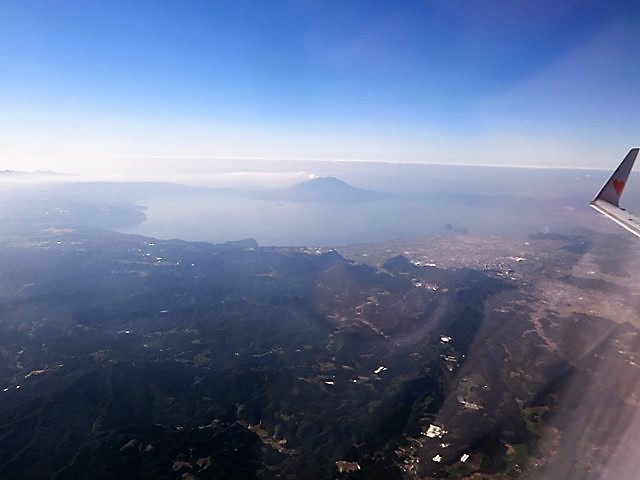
x=103 y=85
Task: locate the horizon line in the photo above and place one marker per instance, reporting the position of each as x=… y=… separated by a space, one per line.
x=320 y=160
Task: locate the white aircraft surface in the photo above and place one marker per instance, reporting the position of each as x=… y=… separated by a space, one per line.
x=607 y=202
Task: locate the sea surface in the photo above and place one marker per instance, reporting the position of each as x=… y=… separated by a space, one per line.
x=419 y=200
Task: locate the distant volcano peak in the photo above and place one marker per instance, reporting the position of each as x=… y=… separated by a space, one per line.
x=324 y=182
x=322 y=190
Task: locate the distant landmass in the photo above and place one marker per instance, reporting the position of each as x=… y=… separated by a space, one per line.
x=39 y=173
x=135 y=191
x=321 y=190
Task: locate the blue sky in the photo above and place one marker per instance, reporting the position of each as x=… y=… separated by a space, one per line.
x=107 y=84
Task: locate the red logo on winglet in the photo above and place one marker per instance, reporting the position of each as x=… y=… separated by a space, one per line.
x=618 y=185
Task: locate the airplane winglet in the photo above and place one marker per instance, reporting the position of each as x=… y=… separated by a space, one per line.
x=607 y=201
x=612 y=190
